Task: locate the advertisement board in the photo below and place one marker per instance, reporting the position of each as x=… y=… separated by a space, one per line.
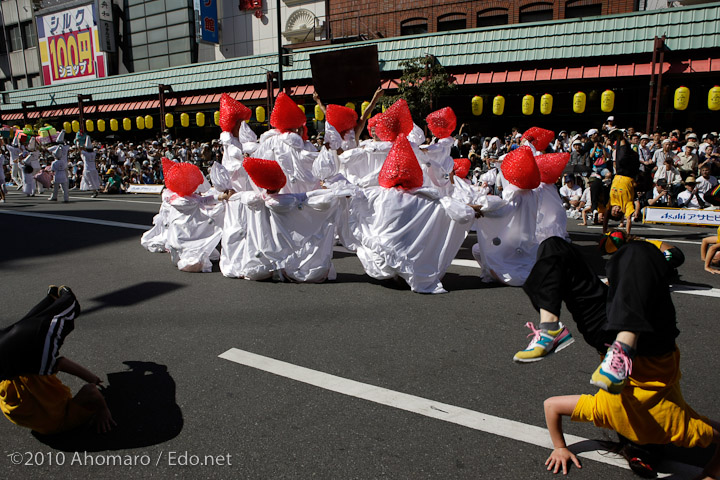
x=69 y=46
x=681 y=216
x=207 y=16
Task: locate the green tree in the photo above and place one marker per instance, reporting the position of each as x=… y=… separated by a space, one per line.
x=423 y=81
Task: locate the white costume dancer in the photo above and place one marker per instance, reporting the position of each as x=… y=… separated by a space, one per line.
x=285 y=145
x=59 y=167
x=90 y=178
x=406 y=230
x=288 y=235
x=155 y=239
x=194 y=222
x=507 y=243
x=15 y=150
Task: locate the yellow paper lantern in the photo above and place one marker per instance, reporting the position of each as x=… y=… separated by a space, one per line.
x=127 y=123
x=607 y=101
x=101 y=125
x=384 y=107
x=302 y=107
x=139 y=122
x=528 y=105
x=498 y=105
x=260 y=114
x=682 y=97
x=579 y=101
x=200 y=119
x=184 y=119
x=148 y=121
x=216 y=117
x=169 y=120
x=350 y=105
x=113 y=125
x=546 y=102
x=714 y=98
x=364 y=106
x=75 y=126
x=477 y=105
x=67 y=127
x=89 y=125
x=319 y=115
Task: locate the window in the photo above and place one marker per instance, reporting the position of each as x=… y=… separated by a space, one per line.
x=490 y=18
x=536 y=12
x=15 y=38
x=573 y=10
x=34 y=80
x=29 y=35
x=414 y=26
x=451 y=21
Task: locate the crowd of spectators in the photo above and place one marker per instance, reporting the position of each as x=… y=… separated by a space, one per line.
x=677 y=167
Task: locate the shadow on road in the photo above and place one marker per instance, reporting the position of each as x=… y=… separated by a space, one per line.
x=132 y=295
x=142 y=402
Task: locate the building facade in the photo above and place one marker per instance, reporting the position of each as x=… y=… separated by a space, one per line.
x=19 y=57
x=352 y=20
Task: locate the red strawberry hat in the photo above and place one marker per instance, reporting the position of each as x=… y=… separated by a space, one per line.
x=184 y=178
x=231 y=111
x=342 y=118
x=520 y=169
x=539 y=137
x=167 y=165
x=394 y=121
x=265 y=173
x=442 y=122
x=401 y=168
x=462 y=167
x=286 y=115
x=551 y=166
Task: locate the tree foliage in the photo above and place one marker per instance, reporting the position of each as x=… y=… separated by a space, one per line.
x=423 y=81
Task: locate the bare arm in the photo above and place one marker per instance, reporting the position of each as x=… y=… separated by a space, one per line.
x=555 y=409
x=368 y=111
x=316 y=97
x=68 y=366
x=709 y=257
x=706 y=242
x=628 y=224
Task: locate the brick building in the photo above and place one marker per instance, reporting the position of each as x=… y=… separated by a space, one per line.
x=352 y=20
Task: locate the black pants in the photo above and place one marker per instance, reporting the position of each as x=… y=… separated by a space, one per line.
x=637 y=300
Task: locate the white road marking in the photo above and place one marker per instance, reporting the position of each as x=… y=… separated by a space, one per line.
x=693 y=290
x=89 y=198
x=67 y=218
x=441 y=411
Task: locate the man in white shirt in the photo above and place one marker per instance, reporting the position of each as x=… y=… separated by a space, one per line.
x=705 y=181
x=689 y=198
x=570 y=193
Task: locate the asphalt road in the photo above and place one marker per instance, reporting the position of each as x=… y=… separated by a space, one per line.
x=156 y=334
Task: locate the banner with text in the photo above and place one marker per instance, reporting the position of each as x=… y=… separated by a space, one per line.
x=69 y=46
x=682 y=216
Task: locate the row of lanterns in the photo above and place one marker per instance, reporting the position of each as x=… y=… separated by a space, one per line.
x=682 y=98
x=607 y=102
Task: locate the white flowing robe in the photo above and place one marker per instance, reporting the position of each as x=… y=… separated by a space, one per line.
x=33 y=159
x=90 y=178
x=288 y=236
x=507 y=243
x=291 y=153
x=411 y=234
x=155 y=239
x=551 y=216
x=194 y=230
